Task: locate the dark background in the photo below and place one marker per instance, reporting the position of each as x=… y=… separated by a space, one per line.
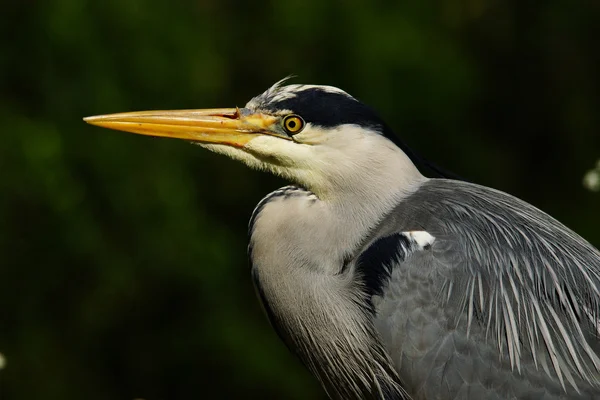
x=123 y=258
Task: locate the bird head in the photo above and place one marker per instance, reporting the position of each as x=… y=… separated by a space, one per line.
x=309 y=134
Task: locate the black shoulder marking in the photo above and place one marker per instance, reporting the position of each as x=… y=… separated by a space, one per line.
x=375 y=264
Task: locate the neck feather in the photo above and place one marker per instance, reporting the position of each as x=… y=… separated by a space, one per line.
x=333 y=336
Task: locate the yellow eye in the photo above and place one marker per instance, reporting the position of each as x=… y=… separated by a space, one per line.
x=293 y=124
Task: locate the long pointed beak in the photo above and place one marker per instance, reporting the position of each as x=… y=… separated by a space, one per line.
x=230 y=126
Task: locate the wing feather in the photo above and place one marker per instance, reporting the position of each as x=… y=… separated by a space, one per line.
x=533 y=284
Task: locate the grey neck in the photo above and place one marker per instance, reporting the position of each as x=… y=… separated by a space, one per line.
x=299 y=243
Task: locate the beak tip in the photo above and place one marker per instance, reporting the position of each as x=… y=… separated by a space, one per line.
x=91 y=120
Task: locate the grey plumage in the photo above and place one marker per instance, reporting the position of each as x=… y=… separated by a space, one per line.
x=491 y=309
x=390 y=285
x=508 y=279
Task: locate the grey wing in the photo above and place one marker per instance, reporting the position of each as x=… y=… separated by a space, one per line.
x=509 y=281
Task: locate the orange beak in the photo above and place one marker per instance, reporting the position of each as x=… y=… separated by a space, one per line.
x=229 y=126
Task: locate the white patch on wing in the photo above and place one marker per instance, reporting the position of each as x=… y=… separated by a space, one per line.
x=421 y=238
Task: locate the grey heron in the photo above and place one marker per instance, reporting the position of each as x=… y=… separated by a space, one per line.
x=391 y=285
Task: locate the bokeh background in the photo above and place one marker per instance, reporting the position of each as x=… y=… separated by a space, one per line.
x=123 y=271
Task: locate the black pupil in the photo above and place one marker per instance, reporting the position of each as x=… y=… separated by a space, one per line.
x=291 y=124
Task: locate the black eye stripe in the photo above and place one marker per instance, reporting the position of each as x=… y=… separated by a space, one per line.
x=328 y=109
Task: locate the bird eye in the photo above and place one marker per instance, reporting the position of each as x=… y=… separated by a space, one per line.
x=293 y=124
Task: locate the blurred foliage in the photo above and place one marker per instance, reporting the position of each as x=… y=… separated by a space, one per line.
x=591 y=179
x=123 y=268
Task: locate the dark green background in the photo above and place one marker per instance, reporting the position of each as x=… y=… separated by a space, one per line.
x=123 y=258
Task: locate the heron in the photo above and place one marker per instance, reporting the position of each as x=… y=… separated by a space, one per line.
x=391 y=285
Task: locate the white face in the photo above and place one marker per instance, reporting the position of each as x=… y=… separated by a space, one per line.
x=317 y=136
x=316 y=158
